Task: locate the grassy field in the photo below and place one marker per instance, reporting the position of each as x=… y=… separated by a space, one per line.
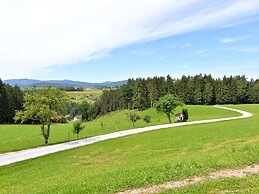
x=228 y=185
x=141 y=160
x=83 y=95
x=17 y=137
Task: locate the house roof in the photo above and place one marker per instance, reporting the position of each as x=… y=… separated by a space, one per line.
x=178 y=114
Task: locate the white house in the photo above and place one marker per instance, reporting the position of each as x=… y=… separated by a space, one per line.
x=179 y=117
x=77 y=117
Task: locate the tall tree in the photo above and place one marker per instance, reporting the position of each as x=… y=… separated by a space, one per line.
x=3 y=103
x=170 y=85
x=140 y=98
x=127 y=92
x=197 y=89
x=208 y=87
x=152 y=91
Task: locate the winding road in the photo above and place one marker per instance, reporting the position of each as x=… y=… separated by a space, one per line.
x=12 y=157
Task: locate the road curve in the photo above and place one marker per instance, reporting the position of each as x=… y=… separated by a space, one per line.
x=12 y=157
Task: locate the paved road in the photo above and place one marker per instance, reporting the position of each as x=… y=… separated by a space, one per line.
x=13 y=157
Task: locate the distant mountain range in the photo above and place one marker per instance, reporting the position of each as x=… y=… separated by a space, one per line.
x=27 y=83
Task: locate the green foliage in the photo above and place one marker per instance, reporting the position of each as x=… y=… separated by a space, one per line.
x=133 y=117
x=147 y=119
x=140 y=95
x=185 y=115
x=11 y=99
x=41 y=105
x=86 y=110
x=77 y=128
x=167 y=104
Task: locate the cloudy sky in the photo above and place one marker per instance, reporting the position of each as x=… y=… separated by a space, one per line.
x=114 y=39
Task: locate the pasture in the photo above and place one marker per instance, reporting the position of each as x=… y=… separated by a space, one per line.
x=88 y=95
x=143 y=159
x=18 y=137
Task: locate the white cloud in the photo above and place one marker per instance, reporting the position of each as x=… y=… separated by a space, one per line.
x=230 y=40
x=175 y=46
x=245 y=49
x=185 y=45
x=36 y=36
x=202 y=51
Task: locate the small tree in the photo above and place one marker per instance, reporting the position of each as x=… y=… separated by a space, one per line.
x=167 y=104
x=133 y=117
x=185 y=115
x=102 y=125
x=147 y=119
x=41 y=105
x=77 y=127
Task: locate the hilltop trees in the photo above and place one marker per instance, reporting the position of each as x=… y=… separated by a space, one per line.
x=3 y=103
x=11 y=99
x=200 y=89
x=41 y=105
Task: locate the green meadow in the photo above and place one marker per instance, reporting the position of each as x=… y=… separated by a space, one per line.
x=143 y=159
x=18 y=137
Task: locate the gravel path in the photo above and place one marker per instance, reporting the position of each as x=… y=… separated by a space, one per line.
x=12 y=157
x=227 y=173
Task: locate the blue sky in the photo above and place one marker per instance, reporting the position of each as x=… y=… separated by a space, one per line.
x=100 y=41
x=224 y=51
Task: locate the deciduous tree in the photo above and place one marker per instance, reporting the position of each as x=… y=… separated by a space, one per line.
x=167 y=104
x=40 y=105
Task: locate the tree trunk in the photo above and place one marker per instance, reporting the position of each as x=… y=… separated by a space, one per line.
x=45 y=134
x=48 y=134
x=169 y=118
x=77 y=136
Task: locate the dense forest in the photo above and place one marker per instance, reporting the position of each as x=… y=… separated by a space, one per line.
x=197 y=90
x=11 y=99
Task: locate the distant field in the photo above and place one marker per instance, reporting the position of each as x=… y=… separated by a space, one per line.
x=17 y=137
x=88 y=95
x=144 y=159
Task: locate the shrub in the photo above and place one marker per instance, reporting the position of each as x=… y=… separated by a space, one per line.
x=77 y=127
x=185 y=115
x=147 y=119
x=133 y=117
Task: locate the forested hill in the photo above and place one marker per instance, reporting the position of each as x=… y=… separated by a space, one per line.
x=200 y=89
x=27 y=83
x=11 y=99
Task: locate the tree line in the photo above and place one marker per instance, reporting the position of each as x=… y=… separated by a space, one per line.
x=11 y=99
x=197 y=90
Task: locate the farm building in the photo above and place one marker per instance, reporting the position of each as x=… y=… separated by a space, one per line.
x=179 y=117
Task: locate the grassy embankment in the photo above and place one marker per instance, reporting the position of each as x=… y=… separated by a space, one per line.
x=17 y=137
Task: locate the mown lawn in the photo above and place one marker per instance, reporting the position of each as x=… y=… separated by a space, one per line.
x=17 y=137
x=139 y=160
